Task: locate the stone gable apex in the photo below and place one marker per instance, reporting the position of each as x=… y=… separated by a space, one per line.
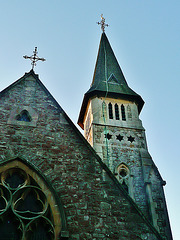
x=31 y=75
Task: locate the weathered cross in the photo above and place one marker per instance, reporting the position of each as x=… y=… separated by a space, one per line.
x=102 y=23
x=34 y=58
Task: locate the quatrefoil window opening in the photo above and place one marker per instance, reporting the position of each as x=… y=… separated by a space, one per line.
x=23 y=205
x=123 y=171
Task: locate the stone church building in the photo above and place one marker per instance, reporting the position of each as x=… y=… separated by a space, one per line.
x=56 y=184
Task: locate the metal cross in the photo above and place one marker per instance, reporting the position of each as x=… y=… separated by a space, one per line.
x=34 y=58
x=102 y=23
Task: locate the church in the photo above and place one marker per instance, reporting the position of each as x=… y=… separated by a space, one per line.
x=57 y=184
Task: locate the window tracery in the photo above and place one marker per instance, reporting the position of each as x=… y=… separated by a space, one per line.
x=26 y=212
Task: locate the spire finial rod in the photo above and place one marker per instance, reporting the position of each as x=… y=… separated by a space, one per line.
x=34 y=58
x=102 y=23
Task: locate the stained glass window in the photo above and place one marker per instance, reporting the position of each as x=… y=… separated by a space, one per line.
x=25 y=210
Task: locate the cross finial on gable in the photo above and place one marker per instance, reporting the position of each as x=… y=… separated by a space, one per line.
x=34 y=58
x=102 y=23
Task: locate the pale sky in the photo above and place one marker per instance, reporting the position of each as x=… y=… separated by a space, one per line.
x=145 y=37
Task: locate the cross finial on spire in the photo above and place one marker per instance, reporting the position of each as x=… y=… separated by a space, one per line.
x=34 y=58
x=102 y=23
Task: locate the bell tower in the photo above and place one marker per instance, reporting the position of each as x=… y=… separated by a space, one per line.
x=109 y=116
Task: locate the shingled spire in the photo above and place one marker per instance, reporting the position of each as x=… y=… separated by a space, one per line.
x=108 y=79
x=110 y=118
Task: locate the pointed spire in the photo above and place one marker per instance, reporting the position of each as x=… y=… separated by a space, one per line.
x=108 y=69
x=108 y=79
x=108 y=76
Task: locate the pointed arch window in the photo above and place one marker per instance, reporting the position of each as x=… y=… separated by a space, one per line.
x=104 y=110
x=123 y=114
x=116 y=111
x=129 y=113
x=110 y=111
x=23 y=116
x=26 y=210
x=123 y=175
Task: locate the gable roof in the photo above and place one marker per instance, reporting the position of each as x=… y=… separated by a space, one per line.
x=26 y=75
x=102 y=85
x=99 y=160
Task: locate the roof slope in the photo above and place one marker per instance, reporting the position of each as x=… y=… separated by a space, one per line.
x=108 y=79
x=26 y=75
x=107 y=67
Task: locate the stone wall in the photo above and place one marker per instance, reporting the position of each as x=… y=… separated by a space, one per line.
x=95 y=204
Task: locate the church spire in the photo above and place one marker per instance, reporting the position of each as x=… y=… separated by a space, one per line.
x=108 y=79
x=110 y=118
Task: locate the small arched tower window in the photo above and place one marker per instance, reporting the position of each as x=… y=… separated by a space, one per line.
x=23 y=116
x=129 y=113
x=116 y=111
x=104 y=110
x=110 y=111
x=123 y=175
x=123 y=112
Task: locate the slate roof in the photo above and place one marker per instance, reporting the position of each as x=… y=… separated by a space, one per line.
x=108 y=79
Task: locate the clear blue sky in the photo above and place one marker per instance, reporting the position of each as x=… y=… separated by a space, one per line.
x=145 y=36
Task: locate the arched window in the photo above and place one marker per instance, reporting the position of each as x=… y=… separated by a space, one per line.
x=104 y=110
x=110 y=111
x=123 y=175
x=129 y=113
x=116 y=111
x=23 y=116
x=28 y=209
x=123 y=114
